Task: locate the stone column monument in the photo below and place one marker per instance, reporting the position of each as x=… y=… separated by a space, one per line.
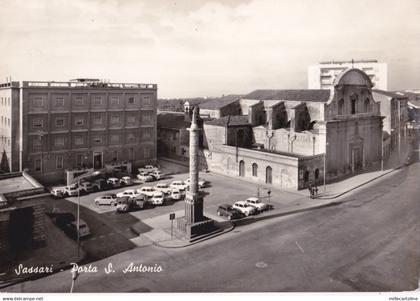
x=194 y=224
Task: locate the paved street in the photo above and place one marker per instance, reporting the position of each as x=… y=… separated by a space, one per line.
x=369 y=242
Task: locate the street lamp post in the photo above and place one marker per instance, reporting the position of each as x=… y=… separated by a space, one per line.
x=325 y=167
x=78 y=218
x=382 y=149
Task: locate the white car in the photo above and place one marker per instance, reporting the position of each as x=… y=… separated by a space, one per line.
x=114 y=182
x=144 y=177
x=181 y=186
x=71 y=190
x=201 y=183
x=163 y=187
x=148 y=169
x=126 y=180
x=244 y=208
x=156 y=174
x=255 y=202
x=176 y=194
x=129 y=192
x=58 y=191
x=158 y=198
x=147 y=191
x=107 y=199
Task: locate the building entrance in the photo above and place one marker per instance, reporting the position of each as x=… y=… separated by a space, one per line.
x=97 y=161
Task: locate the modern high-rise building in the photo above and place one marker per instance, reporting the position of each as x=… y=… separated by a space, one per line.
x=322 y=76
x=50 y=127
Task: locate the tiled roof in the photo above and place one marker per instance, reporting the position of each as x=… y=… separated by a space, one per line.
x=219 y=103
x=297 y=95
x=230 y=120
x=389 y=94
x=171 y=121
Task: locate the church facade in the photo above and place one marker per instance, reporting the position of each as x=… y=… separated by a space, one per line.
x=290 y=135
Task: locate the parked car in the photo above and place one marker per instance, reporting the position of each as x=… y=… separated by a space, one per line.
x=157 y=175
x=100 y=184
x=113 y=182
x=201 y=183
x=158 y=198
x=176 y=194
x=244 y=208
x=63 y=219
x=126 y=180
x=107 y=199
x=126 y=204
x=147 y=191
x=148 y=169
x=256 y=202
x=71 y=229
x=181 y=186
x=144 y=177
x=57 y=192
x=129 y=192
x=228 y=211
x=86 y=187
x=163 y=187
x=71 y=190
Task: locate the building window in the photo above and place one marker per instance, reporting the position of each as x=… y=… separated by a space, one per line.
x=59 y=122
x=38 y=101
x=79 y=101
x=59 y=162
x=367 y=105
x=8 y=121
x=78 y=140
x=306 y=176
x=254 y=170
x=97 y=119
x=268 y=175
x=146 y=100
x=59 y=102
x=97 y=139
x=115 y=119
x=146 y=133
x=242 y=168
x=131 y=119
x=146 y=117
x=131 y=138
x=147 y=153
x=115 y=138
x=131 y=153
x=353 y=99
x=59 y=141
x=8 y=101
x=36 y=142
x=115 y=100
x=38 y=165
x=97 y=101
x=131 y=100
x=115 y=156
x=37 y=123
x=79 y=121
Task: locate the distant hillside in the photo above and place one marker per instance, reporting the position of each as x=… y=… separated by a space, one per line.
x=177 y=104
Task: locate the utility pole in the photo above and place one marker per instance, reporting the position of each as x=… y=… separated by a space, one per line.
x=78 y=218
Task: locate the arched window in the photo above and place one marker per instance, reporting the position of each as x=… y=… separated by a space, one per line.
x=254 y=170
x=306 y=176
x=242 y=168
x=367 y=105
x=269 y=175
x=340 y=106
x=353 y=99
x=316 y=175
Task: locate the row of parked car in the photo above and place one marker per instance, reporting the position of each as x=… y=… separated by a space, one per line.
x=250 y=206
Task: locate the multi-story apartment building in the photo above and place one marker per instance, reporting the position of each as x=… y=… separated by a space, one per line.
x=322 y=76
x=80 y=123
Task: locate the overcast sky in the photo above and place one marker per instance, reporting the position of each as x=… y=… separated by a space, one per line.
x=205 y=48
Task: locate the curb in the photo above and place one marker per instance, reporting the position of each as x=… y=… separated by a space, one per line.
x=232 y=226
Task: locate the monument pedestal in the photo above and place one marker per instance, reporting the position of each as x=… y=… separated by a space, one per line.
x=194 y=225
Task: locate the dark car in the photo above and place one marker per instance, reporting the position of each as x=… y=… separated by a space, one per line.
x=100 y=185
x=63 y=219
x=228 y=211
